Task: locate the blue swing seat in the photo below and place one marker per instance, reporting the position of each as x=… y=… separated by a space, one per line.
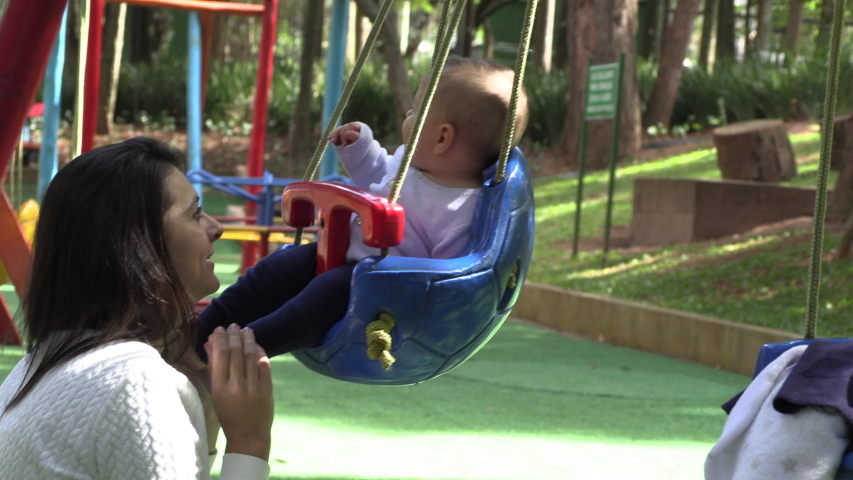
x=445 y=310
x=772 y=351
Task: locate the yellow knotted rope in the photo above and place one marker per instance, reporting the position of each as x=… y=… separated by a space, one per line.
x=513 y=277
x=379 y=340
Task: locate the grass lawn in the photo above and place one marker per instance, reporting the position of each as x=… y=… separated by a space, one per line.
x=758 y=279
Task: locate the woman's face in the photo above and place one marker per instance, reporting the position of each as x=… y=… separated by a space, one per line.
x=190 y=234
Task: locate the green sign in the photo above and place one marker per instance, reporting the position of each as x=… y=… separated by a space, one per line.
x=601 y=86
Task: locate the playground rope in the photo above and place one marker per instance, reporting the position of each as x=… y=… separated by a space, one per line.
x=439 y=58
x=379 y=340
x=823 y=173
x=520 y=68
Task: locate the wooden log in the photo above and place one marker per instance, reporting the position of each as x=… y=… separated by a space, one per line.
x=756 y=150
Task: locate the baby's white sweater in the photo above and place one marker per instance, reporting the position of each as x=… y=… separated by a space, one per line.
x=116 y=412
x=438 y=218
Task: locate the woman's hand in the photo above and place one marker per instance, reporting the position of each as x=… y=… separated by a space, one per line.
x=345 y=134
x=241 y=384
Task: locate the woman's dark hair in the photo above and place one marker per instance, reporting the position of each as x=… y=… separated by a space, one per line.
x=101 y=270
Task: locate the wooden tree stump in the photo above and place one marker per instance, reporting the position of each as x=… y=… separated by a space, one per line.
x=757 y=150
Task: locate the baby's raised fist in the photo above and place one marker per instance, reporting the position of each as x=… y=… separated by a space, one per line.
x=345 y=134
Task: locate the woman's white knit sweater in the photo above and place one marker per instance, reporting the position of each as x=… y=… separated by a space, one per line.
x=116 y=412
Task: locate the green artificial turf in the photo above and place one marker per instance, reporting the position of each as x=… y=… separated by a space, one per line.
x=531 y=404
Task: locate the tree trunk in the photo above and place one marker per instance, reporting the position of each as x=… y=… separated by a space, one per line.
x=561 y=43
x=664 y=25
x=725 y=31
x=846 y=239
x=419 y=24
x=543 y=35
x=360 y=34
x=827 y=9
x=602 y=29
x=465 y=35
x=649 y=37
x=662 y=99
x=709 y=16
x=318 y=29
x=791 y=41
x=397 y=75
x=747 y=28
x=488 y=41
x=765 y=26
x=301 y=127
x=148 y=28
x=113 y=42
x=841 y=201
x=756 y=150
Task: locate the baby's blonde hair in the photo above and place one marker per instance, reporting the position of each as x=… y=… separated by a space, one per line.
x=474 y=97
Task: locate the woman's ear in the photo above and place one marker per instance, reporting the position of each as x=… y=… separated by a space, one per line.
x=446 y=136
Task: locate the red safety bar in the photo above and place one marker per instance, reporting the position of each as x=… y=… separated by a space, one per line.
x=381 y=222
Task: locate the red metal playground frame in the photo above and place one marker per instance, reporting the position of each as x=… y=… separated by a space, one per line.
x=27 y=32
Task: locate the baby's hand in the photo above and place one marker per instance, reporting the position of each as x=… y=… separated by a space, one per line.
x=345 y=134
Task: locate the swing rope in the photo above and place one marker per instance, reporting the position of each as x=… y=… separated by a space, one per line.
x=439 y=58
x=518 y=81
x=812 y=295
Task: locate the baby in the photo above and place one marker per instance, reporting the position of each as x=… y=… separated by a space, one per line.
x=282 y=299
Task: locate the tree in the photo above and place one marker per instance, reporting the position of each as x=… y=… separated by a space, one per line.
x=113 y=42
x=764 y=27
x=725 y=31
x=543 y=34
x=602 y=29
x=397 y=75
x=650 y=36
x=827 y=9
x=467 y=28
x=561 y=42
x=747 y=27
x=301 y=138
x=662 y=99
x=791 y=41
x=709 y=14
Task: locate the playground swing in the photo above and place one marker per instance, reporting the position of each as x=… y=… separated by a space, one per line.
x=412 y=319
x=772 y=351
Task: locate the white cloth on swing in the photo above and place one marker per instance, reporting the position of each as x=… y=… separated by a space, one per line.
x=759 y=443
x=438 y=218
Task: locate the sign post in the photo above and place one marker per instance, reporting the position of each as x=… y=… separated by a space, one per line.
x=603 y=101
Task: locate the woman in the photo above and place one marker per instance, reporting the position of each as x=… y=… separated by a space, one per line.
x=121 y=256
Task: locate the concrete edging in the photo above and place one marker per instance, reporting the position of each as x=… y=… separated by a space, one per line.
x=706 y=340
